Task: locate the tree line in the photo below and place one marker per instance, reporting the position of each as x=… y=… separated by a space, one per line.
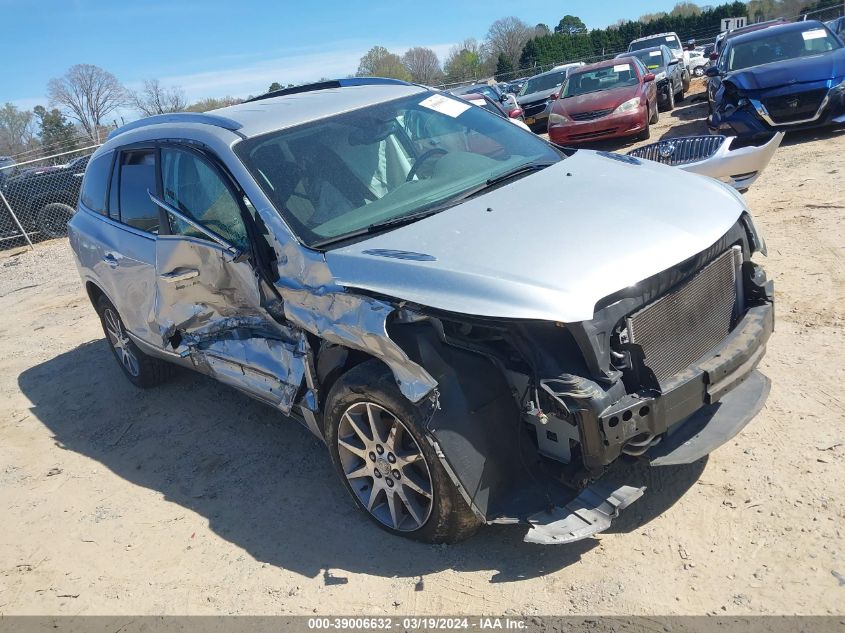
x=84 y=102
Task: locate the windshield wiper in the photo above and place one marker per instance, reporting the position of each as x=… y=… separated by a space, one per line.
x=516 y=171
x=404 y=219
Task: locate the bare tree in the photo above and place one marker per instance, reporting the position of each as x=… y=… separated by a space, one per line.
x=423 y=65
x=508 y=36
x=213 y=103
x=88 y=94
x=154 y=98
x=16 y=129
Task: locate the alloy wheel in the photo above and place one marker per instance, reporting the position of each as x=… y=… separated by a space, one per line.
x=385 y=467
x=120 y=342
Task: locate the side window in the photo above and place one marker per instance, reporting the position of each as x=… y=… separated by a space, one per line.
x=96 y=181
x=137 y=177
x=197 y=190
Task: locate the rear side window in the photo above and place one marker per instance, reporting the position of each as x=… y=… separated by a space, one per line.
x=137 y=178
x=95 y=183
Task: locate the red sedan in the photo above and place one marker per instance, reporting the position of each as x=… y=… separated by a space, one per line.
x=611 y=99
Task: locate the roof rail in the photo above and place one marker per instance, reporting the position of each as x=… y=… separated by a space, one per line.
x=327 y=85
x=179 y=117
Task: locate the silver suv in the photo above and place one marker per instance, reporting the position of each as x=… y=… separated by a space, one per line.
x=476 y=323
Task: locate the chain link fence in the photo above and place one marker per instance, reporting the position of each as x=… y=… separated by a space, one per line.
x=38 y=195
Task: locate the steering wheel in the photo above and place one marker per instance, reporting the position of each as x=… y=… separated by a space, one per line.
x=421 y=159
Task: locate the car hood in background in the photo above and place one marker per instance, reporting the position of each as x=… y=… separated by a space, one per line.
x=537 y=96
x=548 y=246
x=809 y=69
x=600 y=100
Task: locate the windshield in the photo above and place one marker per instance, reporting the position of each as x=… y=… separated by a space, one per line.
x=607 y=78
x=671 y=41
x=343 y=174
x=780 y=46
x=652 y=60
x=541 y=83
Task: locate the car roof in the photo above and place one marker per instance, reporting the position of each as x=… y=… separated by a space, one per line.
x=606 y=63
x=648 y=37
x=659 y=47
x=792 y=27
x=288 y=110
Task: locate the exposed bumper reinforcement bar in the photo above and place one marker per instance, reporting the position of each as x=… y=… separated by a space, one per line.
x=589 y=513
x=712 y=426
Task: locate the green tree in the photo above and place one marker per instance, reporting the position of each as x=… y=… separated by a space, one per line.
x=275 y=86
x=380 y=62
x=504 y=67
x=571 y=25
x=55 y=131
x=16 y=133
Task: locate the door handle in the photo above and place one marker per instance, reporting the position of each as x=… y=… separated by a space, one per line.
x=180 y=274
x=111 y=260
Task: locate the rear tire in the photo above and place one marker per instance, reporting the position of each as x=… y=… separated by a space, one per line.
x=369 y=449
x=51 y=219
x=142 y=370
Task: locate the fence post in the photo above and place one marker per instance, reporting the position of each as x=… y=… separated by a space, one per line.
x=15 y=218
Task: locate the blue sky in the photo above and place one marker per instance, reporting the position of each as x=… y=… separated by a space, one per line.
x=215 y=48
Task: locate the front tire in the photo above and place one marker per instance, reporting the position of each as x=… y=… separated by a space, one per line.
x=656 y=116
x=142 y=370
x=380 y=453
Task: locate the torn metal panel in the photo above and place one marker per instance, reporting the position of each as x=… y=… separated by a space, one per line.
x=589 y=513
x=713 y=156
x=271 y=370
x=199 y=284
x=359 y=323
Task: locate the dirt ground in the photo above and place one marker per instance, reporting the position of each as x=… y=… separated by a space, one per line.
x=194 y=499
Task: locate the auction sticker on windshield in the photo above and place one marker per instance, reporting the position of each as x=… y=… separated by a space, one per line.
x=621 y=68
x=814 y=34
x=655 y=54
x=445 y=105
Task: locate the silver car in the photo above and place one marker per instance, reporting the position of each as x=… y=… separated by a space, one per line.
x=475 y=322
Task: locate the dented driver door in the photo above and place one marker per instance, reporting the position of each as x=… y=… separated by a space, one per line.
x=209 y=305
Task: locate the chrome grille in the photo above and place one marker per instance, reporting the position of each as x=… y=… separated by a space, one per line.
x=589 y=116
x=688 y=321
x=680 y=151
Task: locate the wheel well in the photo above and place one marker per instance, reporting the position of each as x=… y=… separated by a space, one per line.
x=332 y=362
x=61 y=197
x=94 y=293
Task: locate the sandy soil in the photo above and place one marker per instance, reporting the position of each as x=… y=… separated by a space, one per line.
x=193 y=499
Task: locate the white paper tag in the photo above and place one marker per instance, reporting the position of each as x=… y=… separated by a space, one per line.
x=621 y=68
x=670 y=38
x=478 y=102
x=814 y=34
x=445 y=105
x=655 y=54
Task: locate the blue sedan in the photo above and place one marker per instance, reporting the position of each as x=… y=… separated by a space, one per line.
x=785 y=77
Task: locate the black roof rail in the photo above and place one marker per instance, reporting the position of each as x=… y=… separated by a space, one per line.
x=334 y=83
x=179 y=117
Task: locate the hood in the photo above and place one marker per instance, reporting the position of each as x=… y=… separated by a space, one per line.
x=548 y=246
x=816 y=68
x=601 y=100
x=537 y=96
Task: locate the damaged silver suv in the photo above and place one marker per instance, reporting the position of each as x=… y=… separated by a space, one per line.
x=477 y=323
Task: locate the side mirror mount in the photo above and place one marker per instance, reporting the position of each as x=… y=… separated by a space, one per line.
x=554 y=96
x=649 y=77
x=674 y=62
x=712 y=72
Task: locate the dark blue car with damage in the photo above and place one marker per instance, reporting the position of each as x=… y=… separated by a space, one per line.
x=782 y=78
